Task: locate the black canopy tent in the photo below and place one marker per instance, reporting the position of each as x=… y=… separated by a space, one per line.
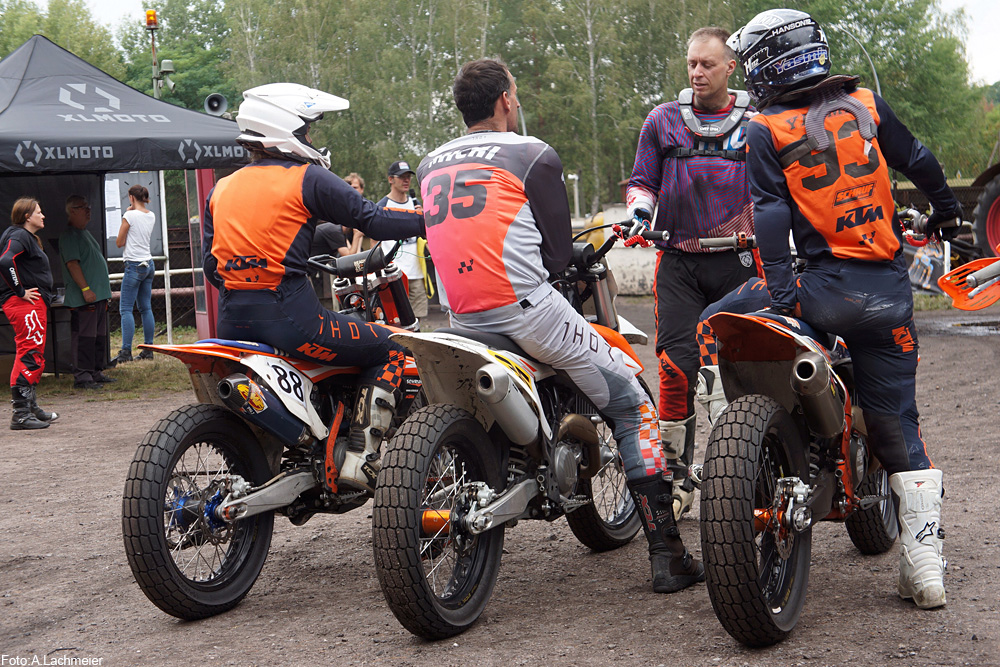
x=64 y=124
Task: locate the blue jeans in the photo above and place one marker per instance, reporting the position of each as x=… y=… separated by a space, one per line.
x=137 y=286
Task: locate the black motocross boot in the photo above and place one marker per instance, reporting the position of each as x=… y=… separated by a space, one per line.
x=23 y=419
x=673 y=568
x=40 y=414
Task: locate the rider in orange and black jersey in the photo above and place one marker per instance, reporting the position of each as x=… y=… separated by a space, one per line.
x=258 y=228
x=818 y=158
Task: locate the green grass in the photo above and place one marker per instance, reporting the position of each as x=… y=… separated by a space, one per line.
x=924 y=302
x=136 y=379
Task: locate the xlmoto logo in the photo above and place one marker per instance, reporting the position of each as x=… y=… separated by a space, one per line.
x=99 y=106
x=30 y=153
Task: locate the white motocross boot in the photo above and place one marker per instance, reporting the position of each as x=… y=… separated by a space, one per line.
x=677 y=442
x=710 y=393
x=372 y=418
x=921 y=566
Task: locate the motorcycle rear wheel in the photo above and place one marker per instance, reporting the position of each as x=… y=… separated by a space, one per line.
x=436 y=581
x=874 y=530
x=187 y=563
x=756 y=578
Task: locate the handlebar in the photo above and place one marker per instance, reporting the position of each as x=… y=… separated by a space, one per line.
x=353 y=266
x=735 y=242
x=983 y=276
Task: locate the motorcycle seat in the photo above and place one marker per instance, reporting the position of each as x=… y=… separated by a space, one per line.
x=493 y=340
x=242 y=345
x=827 y=340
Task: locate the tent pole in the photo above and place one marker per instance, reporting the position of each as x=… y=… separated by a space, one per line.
x=166 y=262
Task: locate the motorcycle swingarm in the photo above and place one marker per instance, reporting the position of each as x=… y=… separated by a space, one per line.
x=511 y=505
x=277 y=493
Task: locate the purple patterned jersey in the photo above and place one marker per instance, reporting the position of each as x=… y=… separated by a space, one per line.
x=699 y=196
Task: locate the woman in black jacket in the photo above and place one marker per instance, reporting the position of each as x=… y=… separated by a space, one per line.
x=25 y=292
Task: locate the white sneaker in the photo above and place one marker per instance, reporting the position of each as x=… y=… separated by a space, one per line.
x=921 y=565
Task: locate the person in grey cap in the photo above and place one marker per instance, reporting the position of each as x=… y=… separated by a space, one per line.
x=401 y=197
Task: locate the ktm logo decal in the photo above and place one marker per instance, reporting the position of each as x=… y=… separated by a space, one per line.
x=859 y=216
x=904 y=339
x=245 y=263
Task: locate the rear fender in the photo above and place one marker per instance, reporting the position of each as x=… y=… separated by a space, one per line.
x=448 y=363
x=291 y=380
x=756 y=356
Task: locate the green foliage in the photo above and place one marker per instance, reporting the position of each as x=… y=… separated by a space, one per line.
x=588 y=71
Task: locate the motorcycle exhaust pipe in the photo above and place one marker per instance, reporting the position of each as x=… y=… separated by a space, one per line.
x=814 y=385
x=257 y=405
x=509 y=407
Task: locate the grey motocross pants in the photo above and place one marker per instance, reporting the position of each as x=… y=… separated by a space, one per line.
x=552 y=332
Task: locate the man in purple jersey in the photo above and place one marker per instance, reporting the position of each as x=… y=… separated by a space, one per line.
x=690 y=168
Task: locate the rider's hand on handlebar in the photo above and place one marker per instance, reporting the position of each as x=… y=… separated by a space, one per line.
x=945 y=226
x=640 y=223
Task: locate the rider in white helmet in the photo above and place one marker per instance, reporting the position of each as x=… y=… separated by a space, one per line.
x=258 y=228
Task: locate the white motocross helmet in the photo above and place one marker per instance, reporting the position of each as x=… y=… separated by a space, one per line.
x=275 y=117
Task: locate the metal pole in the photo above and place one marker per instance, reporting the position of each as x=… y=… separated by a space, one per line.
x=878 y=88
x=156 y=69
x=166 y=262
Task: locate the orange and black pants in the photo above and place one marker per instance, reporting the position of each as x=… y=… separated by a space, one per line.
x=686 y=283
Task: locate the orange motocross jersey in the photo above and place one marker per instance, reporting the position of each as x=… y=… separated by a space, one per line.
x=844 y=192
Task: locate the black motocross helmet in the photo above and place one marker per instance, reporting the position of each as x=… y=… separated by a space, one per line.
x=781 y=50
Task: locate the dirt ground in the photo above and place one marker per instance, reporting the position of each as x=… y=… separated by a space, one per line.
x=66 y=590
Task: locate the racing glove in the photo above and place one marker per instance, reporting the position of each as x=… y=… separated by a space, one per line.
x=945 y=226
x=640 y=223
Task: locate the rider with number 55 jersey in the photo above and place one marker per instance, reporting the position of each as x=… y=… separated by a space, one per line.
x=498 y=224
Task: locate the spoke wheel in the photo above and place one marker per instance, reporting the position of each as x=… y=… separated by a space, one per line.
x=188 y=562
x=757 y=570
x=874 y=530
x=435 y=575
x=612 y=520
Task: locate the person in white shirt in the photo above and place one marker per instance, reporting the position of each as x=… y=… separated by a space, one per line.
x=400 y=197
x=137 y=283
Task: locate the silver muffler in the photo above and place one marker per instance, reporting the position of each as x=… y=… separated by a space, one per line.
x=821 y=404
x=509 y=407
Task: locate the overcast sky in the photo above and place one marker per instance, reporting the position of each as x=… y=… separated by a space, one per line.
x=984 y=18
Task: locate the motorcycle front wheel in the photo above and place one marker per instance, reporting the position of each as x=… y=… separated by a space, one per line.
x=436 y=576
x=188 y=562
x=756 y=570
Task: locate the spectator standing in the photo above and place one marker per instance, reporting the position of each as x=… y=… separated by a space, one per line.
x=137 y=283
x=87 y=294
x=690 y=167
x=25 y=293
x=354 y=236
x=400 y=197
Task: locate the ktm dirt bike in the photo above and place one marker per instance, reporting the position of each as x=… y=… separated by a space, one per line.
x=789 y=450
x=503 y=438
x=205 y=483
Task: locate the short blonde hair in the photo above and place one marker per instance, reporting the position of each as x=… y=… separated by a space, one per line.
x=355 y=176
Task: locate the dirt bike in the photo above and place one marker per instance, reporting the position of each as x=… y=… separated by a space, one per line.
x=503 y=438
x=199 y=502
x=789 y=450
